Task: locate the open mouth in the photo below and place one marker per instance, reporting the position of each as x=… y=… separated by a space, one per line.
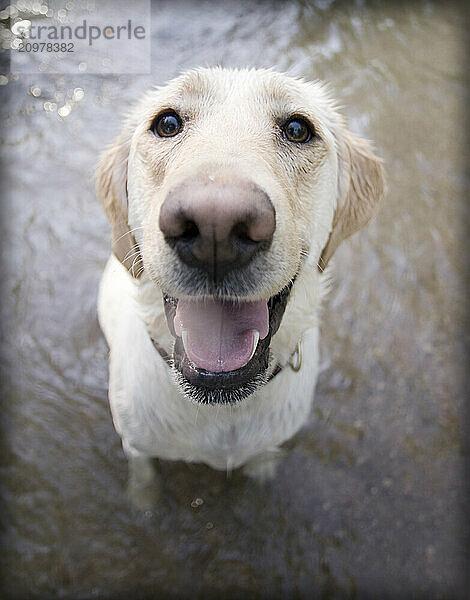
x=221 y=350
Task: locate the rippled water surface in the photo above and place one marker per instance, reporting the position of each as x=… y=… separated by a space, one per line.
x=368 y=502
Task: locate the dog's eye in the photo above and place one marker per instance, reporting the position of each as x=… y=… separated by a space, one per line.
x=166 y=124
x=297 y=130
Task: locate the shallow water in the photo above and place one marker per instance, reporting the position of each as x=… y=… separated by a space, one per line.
x=368 y=501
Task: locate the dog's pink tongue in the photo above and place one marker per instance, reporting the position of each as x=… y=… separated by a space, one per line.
x=221 y=336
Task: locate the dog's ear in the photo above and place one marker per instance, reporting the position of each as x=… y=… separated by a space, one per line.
x=111 y=190
x=361 y=186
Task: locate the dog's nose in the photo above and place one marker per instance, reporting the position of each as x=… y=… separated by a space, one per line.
x=218 y=224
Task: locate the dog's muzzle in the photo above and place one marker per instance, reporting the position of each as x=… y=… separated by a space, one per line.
x=218 y=226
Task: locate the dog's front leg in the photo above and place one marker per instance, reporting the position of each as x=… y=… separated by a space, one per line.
x=262 y=467
x=143 y=486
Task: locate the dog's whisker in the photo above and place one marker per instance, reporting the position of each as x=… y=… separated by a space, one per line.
x=130 y=255
x=138 y=259
x=133 y=269
x=129 y=232
x=197 y=413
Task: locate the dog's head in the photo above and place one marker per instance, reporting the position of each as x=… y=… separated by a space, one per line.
x=222 y=185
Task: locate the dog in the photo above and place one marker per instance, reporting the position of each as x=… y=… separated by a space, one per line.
x=227 y=191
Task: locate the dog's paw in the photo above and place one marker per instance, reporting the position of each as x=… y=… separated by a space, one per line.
x=262 y=467
x=143 y=487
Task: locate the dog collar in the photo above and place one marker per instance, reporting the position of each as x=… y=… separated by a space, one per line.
x=294 y=362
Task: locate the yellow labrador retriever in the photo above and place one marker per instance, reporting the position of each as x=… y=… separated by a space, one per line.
x=227 y=191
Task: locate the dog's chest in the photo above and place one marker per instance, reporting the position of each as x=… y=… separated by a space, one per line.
x=223 y=437
x=222 y=442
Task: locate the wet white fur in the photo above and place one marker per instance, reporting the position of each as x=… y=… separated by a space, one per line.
x=321 y=193
x=149 y=411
